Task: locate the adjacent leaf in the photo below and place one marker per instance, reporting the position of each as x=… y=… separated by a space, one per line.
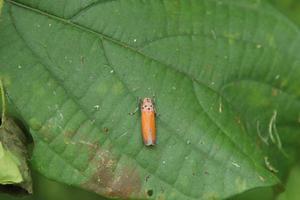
x=73 y=71
x=1 y=3
x=265 y=193
x=9 y=171
x=292 y=191
x=13 y=157
x=49 y=190
x=291 y=8
x=14 y=172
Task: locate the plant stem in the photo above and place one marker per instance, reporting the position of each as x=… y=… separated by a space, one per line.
x=3 y=102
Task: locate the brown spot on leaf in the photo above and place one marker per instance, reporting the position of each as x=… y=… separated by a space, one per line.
x=274 y=92
x=147 y=178
x=238 y=119
x=105 y=130
x=161 y=197
x=149 y=193
x=69 y=134
x=46 y=132
x=126 y=184
x=91 y=147
x=111 y=180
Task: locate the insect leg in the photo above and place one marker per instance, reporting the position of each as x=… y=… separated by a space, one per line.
x=139 y=100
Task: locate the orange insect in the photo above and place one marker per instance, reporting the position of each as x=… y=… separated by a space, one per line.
x=148 y=121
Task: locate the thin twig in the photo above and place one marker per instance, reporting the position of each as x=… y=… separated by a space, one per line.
x=3 y=101
x=277 y=137
x=272 y=121
x=269 y=165
x=264 y=139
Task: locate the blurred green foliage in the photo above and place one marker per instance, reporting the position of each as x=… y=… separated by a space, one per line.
x=258 y=193
x=45 y=189
x=291 y=189
x=290 y=8
x=292 y=185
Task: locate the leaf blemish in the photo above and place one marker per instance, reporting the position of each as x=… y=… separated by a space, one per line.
x=96 y=107
x=220 y=105
x=105 y=130
x=122 y=182
x=213 y=34
x=262 y=178
x=82 y=60
x=69 y=134
x=150 y=192
x=258 y=46
x=274 y=92
x=147 y=178
x=235 y=164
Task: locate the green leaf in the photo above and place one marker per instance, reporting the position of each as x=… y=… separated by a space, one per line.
x=291 y=8
x=1 y=3
x=9 y=171
x=13 y=158
x=292 y=189
x=49 y=190
x=265 y=193
x=14 y=172
x=73 y=71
